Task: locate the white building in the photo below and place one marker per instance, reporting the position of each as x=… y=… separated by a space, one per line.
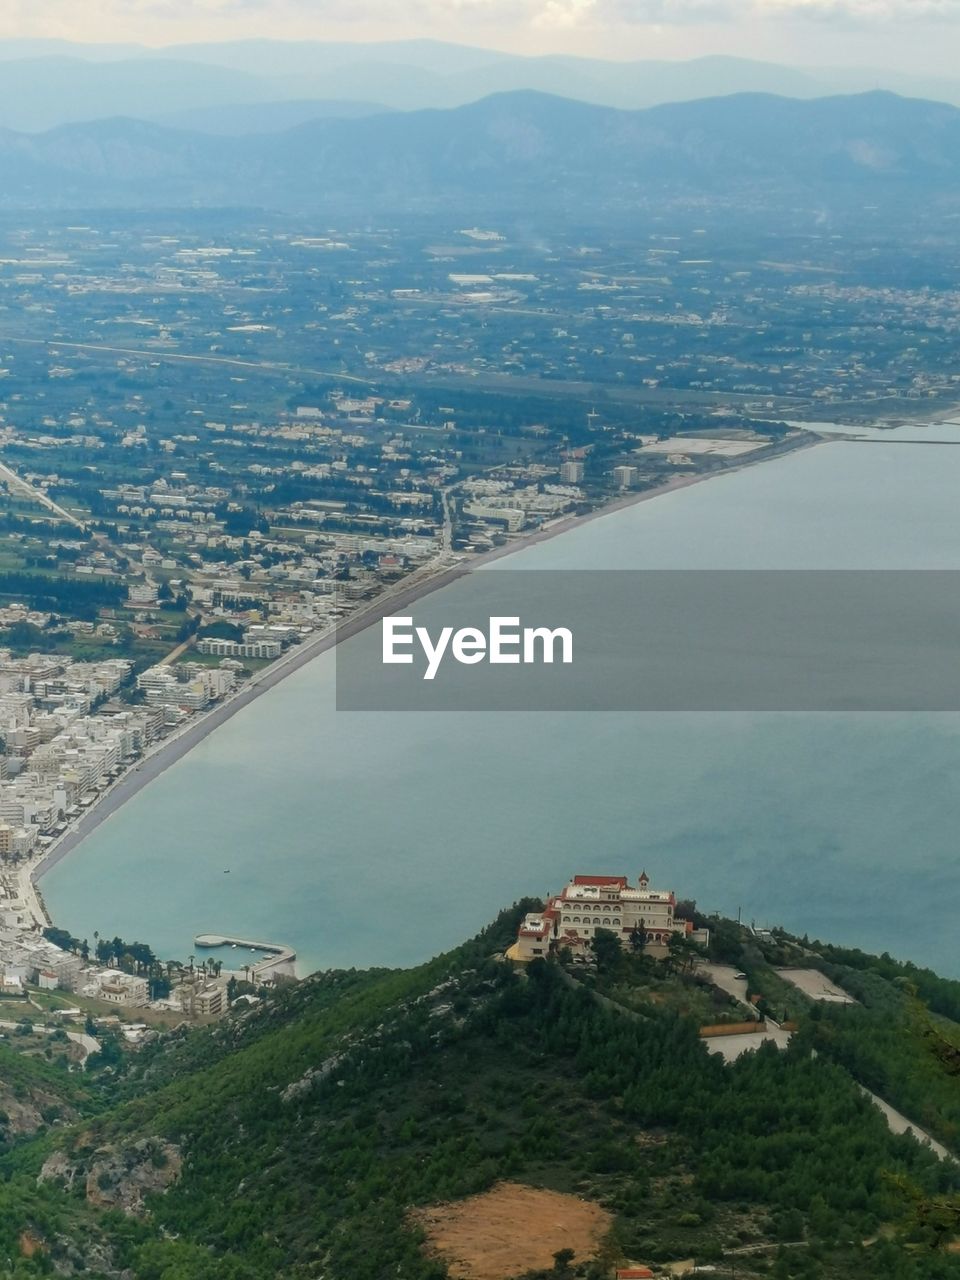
x=249 y=648
x=572 y=472
x=123 y=988
x=201 y=686
x=637 y=915
x=512 y=517
x=143 y=593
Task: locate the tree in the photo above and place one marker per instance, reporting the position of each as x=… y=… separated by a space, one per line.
x=683 y=954
x=562 y=1261
x=606 y=949
x=61 y=938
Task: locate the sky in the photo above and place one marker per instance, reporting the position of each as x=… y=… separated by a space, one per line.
x=916 y=35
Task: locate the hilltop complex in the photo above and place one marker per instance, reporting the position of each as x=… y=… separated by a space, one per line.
x=640 y=916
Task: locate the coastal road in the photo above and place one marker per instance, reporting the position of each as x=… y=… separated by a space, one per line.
x=440 y=573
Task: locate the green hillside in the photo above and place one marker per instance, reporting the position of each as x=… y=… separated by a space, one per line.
x=294 y=1139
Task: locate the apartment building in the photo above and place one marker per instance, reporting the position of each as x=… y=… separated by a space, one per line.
x=248 y=648
x=200 y=686
x=16 y=842
x=121 y=988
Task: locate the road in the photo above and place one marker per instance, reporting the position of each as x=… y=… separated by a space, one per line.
x=900 y=1124
x=87 y=1044
x=725 y=977
x=36 y=495
x=148 y=354
x=174 y=654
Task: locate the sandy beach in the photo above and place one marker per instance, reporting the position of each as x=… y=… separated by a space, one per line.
x=438 y=574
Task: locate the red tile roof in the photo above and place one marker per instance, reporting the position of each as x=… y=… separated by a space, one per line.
x=620 y=880
x=527 y=932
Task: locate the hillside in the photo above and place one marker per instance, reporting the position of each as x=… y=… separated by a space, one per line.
x=523 y=153
x=343 y=1124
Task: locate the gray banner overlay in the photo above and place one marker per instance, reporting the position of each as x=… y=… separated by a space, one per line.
x=667 y=641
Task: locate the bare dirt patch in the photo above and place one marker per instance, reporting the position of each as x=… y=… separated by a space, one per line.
x=816 y=985
x=30 y=1245
x=511 y=1229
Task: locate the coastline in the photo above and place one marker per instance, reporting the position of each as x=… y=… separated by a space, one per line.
x=439 y=573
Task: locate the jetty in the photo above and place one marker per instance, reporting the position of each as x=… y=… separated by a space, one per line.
x=275 y=955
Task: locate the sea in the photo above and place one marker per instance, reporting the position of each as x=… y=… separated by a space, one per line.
x=382 y=838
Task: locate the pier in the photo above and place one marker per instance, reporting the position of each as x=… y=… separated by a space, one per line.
x=276 y=954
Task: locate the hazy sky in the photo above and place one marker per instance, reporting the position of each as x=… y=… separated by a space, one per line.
x=914 y=34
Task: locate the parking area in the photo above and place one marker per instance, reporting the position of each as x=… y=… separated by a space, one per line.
x=728 y=979
x=816 y=985
x=732 y=1047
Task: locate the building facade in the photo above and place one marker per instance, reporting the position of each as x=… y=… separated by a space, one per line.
x=638 y=915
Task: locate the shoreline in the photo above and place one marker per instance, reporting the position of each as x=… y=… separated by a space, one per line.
x=422 y=582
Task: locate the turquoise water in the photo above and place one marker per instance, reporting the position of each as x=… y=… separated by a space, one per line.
x=366 y=838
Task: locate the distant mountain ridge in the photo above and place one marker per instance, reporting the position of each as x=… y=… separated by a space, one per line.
x=46 y=83
x=521 y=151
x=239 y=119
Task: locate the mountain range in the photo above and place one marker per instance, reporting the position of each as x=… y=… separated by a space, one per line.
x=518 y=152
x=53 y=82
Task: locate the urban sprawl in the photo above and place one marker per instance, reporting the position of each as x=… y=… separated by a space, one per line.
x=221 y=439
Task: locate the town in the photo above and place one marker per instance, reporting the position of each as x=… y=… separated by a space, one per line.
x=67 y=740
x=208 y=471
